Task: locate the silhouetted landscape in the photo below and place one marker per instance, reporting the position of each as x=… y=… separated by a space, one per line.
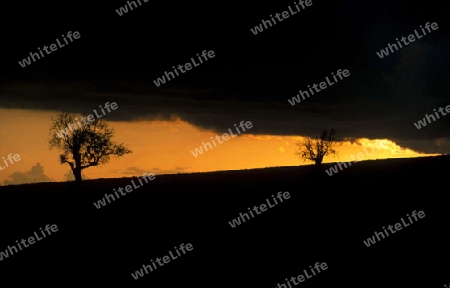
x=278 y=144
x=326 y=219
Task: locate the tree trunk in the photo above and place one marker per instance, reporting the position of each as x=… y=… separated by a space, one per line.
x=318 y=161
x=77 y=174
x=77 y=168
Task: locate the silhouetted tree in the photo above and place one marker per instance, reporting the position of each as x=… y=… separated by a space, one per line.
x=316 y=148
x=84 y=144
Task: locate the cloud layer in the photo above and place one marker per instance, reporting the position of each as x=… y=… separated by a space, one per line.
x=34 y=175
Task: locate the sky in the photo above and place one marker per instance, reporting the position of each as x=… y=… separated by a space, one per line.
x=250 y=78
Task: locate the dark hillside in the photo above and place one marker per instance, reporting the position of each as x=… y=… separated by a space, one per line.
x=325 y=219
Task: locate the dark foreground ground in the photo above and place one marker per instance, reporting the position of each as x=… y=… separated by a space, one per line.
x=326 y=220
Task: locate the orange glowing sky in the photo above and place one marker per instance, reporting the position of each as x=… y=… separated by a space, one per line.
x=161 y=147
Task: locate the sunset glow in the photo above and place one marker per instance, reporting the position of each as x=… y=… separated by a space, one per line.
x=163 y=147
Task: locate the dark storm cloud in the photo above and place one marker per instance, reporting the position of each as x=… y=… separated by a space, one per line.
x=382 y=98
x=366 y=104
